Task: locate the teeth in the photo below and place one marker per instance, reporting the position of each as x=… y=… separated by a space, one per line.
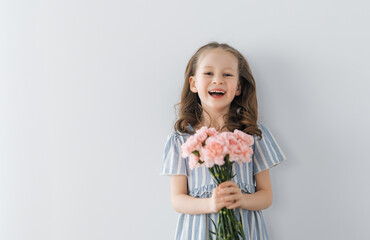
x=217 y=92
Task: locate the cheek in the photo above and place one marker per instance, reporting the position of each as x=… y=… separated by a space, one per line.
x=235 y=87
x=203 y=89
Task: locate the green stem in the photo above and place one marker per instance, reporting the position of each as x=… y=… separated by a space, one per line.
x=226 y=223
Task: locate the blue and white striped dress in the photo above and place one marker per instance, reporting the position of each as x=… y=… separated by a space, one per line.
x=266 y=154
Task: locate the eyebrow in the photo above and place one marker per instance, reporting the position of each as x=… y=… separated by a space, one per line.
x=224 y=68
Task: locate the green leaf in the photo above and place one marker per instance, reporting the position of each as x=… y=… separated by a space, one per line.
x=240 y=227
x=209 y=235
x=214 y=224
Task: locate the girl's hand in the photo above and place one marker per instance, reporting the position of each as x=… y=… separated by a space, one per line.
x=232 y=194
x=216 y=201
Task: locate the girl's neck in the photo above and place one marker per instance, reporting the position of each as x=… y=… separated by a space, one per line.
x=216 y=125
x=216 y=121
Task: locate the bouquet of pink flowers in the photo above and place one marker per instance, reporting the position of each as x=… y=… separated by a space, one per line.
x=218 y=151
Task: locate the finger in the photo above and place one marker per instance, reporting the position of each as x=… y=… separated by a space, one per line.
x=233 y=205
x=230 y=190
x=224 y=191
x=227 y=184
x=229 y=198
x=233 y=197
x=227 y=204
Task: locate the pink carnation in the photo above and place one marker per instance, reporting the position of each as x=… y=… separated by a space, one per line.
x=201 y=134
x=241 y=152
x=229 y=138
x=214 y=151
x=190 y=145
x=193 y=161
x=212 y=132
x=203 y=155
x=248 y=139
x=238 y=144
x=236 y=152
x=195 y=141
x=213 y=147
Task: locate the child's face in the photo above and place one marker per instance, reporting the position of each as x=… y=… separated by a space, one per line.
x=217 y=68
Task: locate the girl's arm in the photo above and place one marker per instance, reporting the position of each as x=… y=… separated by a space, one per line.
x=186 y=204
x=262 y=198
x=182 y=202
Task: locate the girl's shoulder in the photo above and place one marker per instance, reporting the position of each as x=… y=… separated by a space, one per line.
x=177 y=134
x=183 y=134
x=262 y=125
x=175 y=139
x=259 y=123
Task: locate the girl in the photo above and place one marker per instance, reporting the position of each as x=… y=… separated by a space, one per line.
x=219 y=91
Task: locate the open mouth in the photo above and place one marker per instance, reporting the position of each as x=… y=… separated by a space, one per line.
x=216 y=93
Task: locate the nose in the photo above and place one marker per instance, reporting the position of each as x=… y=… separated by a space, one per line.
x=218 y=79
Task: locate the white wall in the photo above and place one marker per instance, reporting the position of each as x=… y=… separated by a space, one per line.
x=87 y=90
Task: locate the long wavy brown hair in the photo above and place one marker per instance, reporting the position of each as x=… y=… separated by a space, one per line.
x=243 y=112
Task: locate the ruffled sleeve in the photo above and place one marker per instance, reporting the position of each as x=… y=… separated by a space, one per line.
x=267 y=152
x=172 y=162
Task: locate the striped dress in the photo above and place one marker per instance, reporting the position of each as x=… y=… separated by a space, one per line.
x=266 y=154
